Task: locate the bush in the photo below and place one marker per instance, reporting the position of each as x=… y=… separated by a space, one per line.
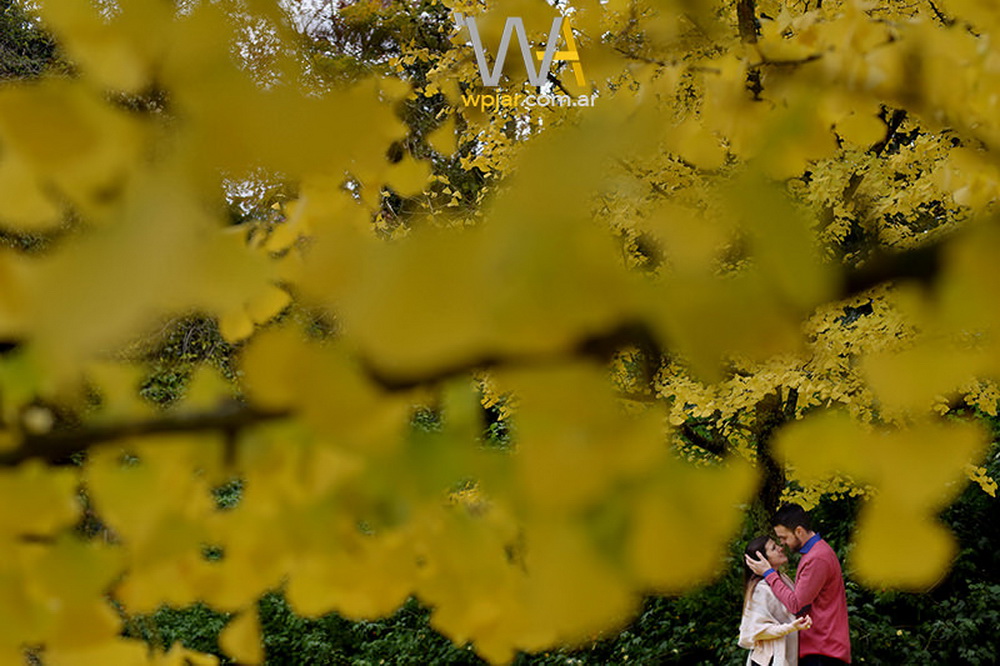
x=953 y=623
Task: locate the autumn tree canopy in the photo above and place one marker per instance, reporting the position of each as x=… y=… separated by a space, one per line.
x=760 y=264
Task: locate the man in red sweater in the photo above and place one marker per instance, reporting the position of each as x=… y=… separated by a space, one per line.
x=819 y=589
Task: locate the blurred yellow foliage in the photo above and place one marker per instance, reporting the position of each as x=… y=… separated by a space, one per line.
x=723 y=252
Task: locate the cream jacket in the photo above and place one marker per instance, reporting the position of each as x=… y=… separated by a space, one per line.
x=766 y=629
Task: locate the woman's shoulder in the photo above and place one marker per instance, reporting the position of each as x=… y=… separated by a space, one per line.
x=762 y=589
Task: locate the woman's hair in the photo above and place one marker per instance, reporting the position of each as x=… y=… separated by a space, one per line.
x=749 y=577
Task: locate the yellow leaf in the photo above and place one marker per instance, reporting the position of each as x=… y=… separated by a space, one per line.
x=118 y=385
x=680 y=498
x=120 y=652
x=266 y=305
x=914 y=378
x=59 y=133
x=235 y=325
x=241 y=638
x=698 y=146
x=445 y=138
x=117 y=53
x=14 y=275
x=282 y=237
x=335 y=393
x=207 y=389
x=573 y=589
x=23 y=203
x=181 y=656
x=572 y=414
x=365 y=578
x=49 y=492
x=409 y=176
x=861 y=129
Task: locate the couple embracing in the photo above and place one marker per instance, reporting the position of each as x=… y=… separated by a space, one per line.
x=802 y=623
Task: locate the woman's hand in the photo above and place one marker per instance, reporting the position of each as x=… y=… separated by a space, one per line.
x=803 y=622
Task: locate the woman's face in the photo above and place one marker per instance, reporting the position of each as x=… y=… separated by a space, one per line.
x=775 y=554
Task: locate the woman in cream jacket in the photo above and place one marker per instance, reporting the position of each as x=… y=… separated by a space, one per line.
x=767 y=629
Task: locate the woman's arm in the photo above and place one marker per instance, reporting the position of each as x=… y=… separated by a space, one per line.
x=775 y=630
x=758 y=624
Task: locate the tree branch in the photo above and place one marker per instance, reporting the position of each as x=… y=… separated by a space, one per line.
x=746 y=16
x=713 y=442
x=554 y=80
x=601 y=347
x=920 y=264
x=791 y=402
x=892 y=126
x=940 y=16
x=789 y=63
x=56 y=447
x=770 y=413
x=641 y=58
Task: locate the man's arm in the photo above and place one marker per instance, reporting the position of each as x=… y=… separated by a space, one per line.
x=811 y=577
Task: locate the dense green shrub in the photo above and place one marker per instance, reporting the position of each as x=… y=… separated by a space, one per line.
x=196 y=627
x=952 y=623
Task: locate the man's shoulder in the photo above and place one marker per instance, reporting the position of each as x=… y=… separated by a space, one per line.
x=822 y=551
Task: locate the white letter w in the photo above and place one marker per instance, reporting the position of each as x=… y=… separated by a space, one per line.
x=513 y=24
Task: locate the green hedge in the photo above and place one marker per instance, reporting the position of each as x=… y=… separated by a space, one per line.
x=953 y=623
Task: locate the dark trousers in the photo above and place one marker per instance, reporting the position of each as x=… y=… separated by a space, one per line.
x=820 y=660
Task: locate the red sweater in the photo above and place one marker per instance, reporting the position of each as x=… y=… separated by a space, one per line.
x=819 y=592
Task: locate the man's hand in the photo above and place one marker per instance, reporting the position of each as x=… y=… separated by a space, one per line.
x=759 y=565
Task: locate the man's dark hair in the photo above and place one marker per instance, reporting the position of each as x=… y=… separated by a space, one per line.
x=791 y=516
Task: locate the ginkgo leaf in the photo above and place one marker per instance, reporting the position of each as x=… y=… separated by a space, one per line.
x=181 y=656
x=24 y=203
x=914 y=378
x=698 y=146
x=665 y=507
x=65 y=144
x=409 y=176
x=112 y=651
x=15 y=274
x=235 y=325
x=444 y=138
x=555 y=426
x=117 y=54
x=862 y=129
x=370 y=579
x=781 y=241
x=118 y=385
x=241 y=638
x=49 y=493
x=207 y=388
x=266 y=305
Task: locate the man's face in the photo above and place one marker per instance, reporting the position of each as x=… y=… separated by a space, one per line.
x=789 y=538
